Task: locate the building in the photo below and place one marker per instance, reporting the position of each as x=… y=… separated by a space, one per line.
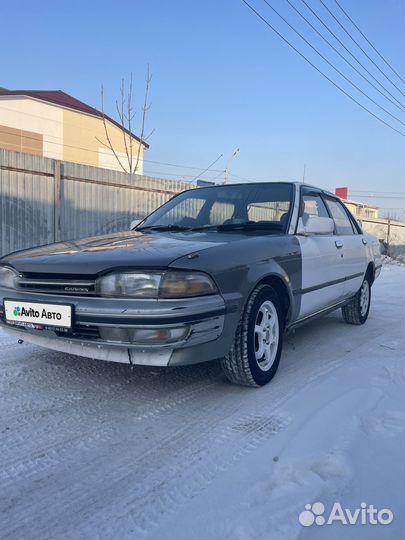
x=56 y=125
x=359 y=210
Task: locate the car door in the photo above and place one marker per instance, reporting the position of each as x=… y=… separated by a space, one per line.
x=353 y=245
x=322 y=272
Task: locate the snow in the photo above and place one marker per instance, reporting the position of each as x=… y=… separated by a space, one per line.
x=89 y=450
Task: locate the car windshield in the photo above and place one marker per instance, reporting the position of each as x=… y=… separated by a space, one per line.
x=232 y=207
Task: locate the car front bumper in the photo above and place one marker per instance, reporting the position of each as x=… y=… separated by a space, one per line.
x=101 y=328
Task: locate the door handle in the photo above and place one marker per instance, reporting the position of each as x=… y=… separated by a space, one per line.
x=364 y=241
x=338 y=244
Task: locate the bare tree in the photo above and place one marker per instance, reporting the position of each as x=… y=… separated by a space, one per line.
x=126 y=114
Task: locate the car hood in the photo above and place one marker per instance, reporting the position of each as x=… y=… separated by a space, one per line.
x=101 y=253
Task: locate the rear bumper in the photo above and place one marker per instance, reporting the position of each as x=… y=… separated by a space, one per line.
x=98 y=324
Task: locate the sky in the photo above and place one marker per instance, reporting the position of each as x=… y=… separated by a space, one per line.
x=222 y=79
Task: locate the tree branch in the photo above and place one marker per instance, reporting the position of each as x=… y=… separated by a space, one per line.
x=121 y=115
x=126 y=114
x=145 y=109
x=110 y=146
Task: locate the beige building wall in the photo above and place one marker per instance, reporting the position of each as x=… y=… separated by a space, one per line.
x=362 y=211
x=37 y=117
x=82 y=134
x=32 y=126
x=19 y=140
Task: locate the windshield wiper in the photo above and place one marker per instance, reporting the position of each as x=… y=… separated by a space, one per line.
x=172 y=228
x=246 y=225
x=243 y=226
x=222 y=226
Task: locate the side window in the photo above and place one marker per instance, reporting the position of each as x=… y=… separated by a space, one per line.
x=313 y=206
x=340 y=217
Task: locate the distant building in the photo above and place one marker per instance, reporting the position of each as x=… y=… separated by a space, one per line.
x=359 y=210
x=56 y=125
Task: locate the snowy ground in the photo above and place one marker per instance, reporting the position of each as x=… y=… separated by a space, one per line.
x=89 y=450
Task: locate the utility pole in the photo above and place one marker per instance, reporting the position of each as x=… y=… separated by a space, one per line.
x=303 y=174
x=227 y=165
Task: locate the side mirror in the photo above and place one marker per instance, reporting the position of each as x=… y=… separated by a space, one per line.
x=318 y=225
x=134 y=224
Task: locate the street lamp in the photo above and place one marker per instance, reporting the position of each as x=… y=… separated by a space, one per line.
x=227 y=165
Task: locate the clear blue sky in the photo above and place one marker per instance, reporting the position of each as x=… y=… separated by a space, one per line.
x=221 y=80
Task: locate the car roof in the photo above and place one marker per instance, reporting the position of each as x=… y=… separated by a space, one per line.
x=270 y=182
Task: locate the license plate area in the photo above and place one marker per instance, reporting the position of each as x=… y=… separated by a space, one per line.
x=38 y=314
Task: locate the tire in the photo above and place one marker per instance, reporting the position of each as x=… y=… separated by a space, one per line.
x=356 y=311
x=256 y=333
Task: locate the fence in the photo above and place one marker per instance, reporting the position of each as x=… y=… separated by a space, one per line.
x=390 y=233
x=44 y=200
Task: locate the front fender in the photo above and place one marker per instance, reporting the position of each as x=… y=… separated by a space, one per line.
x=238 y=266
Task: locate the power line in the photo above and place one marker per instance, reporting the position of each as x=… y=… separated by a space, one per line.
x=377 y=196
x=176 y=176
x=106 y=153
x=242 y=178
x=219 y=174
x=319 y=71
x=331 y=64
x=98 y=152
x=360 y=47
x=181 y=166
x=89 y=149
x=342 y=56
x=205 y=170
x=393 y=208
x=382 y=192
x=348 y=51
x=369 y=42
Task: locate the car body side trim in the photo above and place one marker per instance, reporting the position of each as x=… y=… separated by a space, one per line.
x=317 y=314
x=111 y=320
x=297 y=292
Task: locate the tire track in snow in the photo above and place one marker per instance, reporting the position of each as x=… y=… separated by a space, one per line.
x=148 y=461
x=16 y=465
x=171 y=497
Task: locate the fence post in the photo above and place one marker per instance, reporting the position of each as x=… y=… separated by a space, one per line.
x=56 y=200
x=388 y=232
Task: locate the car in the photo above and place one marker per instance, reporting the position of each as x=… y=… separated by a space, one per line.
x=216 y=273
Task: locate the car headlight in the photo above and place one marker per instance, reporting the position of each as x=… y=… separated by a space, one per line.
x=137 y=285
x=186 y=285
x=7 y=277
x=171 y=284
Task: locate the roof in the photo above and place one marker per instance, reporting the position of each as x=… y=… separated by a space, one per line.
x=60 y=98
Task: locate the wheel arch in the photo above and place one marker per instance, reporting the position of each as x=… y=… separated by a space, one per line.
x=370 y=271
x=283 y=290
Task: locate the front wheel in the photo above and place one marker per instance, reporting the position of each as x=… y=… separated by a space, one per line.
x=356 y=311
x=255 y=353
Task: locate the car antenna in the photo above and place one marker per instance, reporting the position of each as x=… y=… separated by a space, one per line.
x=303 y=174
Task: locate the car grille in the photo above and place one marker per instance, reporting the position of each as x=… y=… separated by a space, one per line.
x=80 y=332
x=76 y=286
